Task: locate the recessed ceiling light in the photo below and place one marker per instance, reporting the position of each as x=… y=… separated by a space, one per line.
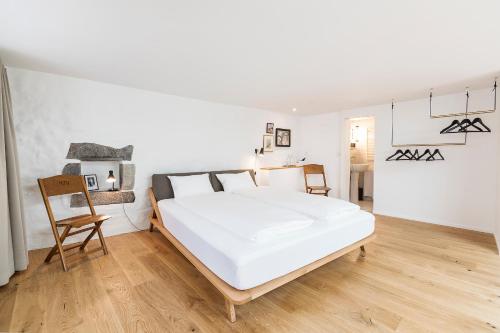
x=294 y=110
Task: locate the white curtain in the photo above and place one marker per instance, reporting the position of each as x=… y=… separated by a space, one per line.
x=13 y=250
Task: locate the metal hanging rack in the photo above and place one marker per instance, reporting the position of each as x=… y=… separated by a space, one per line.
x=466 y=113
x=421 y=144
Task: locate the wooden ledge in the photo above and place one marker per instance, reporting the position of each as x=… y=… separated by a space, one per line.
x=282 y=167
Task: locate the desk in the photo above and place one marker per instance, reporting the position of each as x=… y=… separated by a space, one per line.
x=282 y=177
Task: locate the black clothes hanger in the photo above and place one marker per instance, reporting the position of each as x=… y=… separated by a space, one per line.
x=433 y=156
x=478 y=124
x=454 y=124
x=466 y=126
x=467 y=123
x=392 y=157
x=425 y=155
x=416 y=155
x=407 y=155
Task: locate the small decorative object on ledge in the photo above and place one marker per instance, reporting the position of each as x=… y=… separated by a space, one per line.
x=408 y=155
x=111 y=179
x=91 y=181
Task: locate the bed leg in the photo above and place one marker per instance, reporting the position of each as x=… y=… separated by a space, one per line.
x=231 y=312
x=363 y=251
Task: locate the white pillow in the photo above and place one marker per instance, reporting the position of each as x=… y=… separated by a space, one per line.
x=232 y=182
x=185 y=186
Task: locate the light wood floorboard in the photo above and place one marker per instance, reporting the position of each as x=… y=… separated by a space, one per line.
x=416 y=277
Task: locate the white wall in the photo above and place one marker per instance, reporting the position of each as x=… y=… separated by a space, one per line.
x=169 y=134
x=172 y=134
x=319 y=140
x=460 y=191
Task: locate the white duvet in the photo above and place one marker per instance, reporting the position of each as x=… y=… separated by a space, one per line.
x=245 y=217
x=316 y=206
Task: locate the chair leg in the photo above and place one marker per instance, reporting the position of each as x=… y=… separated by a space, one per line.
x=59 y=242
x=53 y=251
x=101 y=238
x=58 y=247
x=151 y=227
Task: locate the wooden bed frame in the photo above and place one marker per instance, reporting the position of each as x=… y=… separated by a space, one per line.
x=235 y=296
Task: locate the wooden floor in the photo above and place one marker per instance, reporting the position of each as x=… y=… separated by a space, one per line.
x=416 y=278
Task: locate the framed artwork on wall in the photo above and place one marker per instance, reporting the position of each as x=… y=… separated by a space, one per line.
x=270 y=128
x=91 y=181
x=283 y=137
x=267 y=142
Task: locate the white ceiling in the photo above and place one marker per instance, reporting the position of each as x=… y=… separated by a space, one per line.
x=314 y=55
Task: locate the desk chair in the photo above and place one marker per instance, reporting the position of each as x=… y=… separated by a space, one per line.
x=316 y=169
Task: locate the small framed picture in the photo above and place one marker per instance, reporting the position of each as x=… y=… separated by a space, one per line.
x=91 y=181
x=270 y=128
x=283 y=137
x=267 y=142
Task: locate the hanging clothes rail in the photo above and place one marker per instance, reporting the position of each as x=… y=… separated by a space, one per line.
x=466 y=113
x=462 y=143
x=466 y=125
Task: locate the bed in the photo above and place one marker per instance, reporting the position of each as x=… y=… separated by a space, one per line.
x=240 y=267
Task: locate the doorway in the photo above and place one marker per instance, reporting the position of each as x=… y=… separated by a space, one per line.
x=362 y=161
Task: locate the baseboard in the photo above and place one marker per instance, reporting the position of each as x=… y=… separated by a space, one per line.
x=117 y=225
x=431 y=221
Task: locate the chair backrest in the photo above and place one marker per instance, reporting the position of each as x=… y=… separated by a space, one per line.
x=314 y=169
x=61 y=185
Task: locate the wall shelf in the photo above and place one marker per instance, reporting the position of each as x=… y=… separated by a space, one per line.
x=100 y=198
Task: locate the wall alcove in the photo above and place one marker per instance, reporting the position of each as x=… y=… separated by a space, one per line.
x=98 y=153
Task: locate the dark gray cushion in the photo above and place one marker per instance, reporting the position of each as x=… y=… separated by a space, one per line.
x=162 y=188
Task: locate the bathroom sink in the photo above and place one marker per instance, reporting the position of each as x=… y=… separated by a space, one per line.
x=359 y=167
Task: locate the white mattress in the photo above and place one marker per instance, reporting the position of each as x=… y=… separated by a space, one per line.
x=245 y=264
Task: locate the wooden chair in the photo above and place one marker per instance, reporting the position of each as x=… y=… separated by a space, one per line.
x=66 y=184
x=316 y=169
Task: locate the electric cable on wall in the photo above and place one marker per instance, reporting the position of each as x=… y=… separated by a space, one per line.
x=126 y=215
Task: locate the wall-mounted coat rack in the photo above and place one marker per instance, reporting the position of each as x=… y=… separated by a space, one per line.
x=408 y=155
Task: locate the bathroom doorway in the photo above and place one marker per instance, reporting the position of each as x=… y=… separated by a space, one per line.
x=362 y=161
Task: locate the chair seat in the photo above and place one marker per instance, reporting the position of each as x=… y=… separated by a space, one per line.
x=81 y=220
x=319 y=188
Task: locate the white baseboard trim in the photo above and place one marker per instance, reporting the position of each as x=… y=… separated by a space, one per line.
x=431 y=221
x=117 y=225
